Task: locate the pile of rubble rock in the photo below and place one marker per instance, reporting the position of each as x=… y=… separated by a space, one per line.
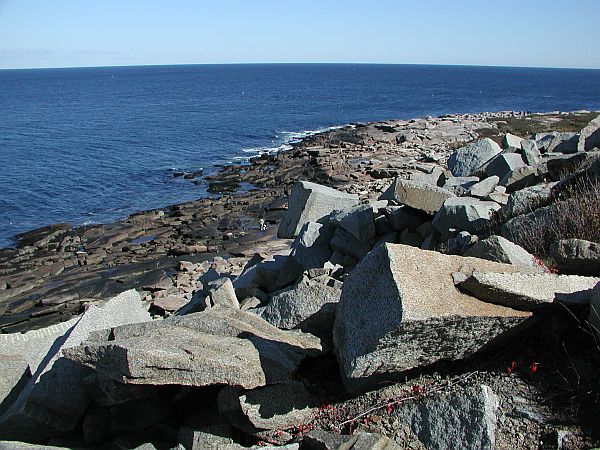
x=317 y=347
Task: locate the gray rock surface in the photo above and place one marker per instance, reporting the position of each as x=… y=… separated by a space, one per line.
x=400 y=309
x=464 y=213
x=511 y=142
x=418 y=195
x=527 y=199
x=54 y=399
x=323 y=440
x=529 y=291
x=217 y=346
x=15 y=375
x=310 y=306
x=310 y=202
x=311 y=246
x=519 y=178
x=484 y=187
x=222 y=293
x=460 y=420
x=577 y=256
x=460 y=185
x=499 y=249
x=504 y=163
x=531 y=153
x=589 y=137
x=279 y=406
x=359 y=221
x=466 y=160
x=347 y=244
x=34 y=345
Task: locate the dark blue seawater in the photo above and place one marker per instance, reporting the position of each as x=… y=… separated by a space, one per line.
x=96 y=144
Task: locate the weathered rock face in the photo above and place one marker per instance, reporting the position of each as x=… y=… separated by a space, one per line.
x=400 y=309
x=416 y=194
x=310 y=202
x=358 y=221
x=484 y=187
x=466 y=419
x=311 y=247
x=527 y=199
x=218 y=346
x=15 y=374
x=577 y=256
x=504 y=163
x=279 y=406
x=310 y=306
x=464 y=213
x=466 y=160
x=519 y=178
x=499 y=249
x=54 y=399
x=511 y=142
x=531 y=153
x=589 y=137
x=529 y=291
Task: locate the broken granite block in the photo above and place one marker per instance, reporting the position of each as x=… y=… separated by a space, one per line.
x=400 y=309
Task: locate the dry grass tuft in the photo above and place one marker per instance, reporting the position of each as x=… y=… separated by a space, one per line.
x=576 y=215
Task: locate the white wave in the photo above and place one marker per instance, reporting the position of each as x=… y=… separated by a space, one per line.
x=289 y=137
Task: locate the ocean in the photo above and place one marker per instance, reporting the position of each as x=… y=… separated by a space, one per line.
x=93 y=145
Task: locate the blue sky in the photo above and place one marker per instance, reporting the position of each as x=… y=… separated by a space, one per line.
x=64 y=33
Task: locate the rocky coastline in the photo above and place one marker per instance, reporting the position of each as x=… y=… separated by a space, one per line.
x=390 y=302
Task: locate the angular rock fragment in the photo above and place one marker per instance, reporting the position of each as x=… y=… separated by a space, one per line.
x=15 y=375
x=511 y=142
x=54 y=399
x=499 y=249
x=589 y=138
x=519 y=178
x=464 y=419
x=527 y=199
x=464 y=213
x=400 y=309
x=418 y=195
x=529 y=291
x=310 y=202
x=221 y=293
x=311 y=246
x=466 y=160
x=531 y=153
x=504 y=163
x=309 y=306
x=484 y=187
x=347 y=244
x=279 y=406
x=359 y=221
x=577 y=256
x=460 y=185
x=218 y=346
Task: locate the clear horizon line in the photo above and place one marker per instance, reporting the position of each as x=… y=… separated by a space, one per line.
x=296 y=63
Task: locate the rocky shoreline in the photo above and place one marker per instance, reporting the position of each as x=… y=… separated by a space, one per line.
x=393 y=263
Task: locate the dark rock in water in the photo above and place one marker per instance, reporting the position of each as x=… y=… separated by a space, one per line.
x=219 y=187
x=34 y=236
